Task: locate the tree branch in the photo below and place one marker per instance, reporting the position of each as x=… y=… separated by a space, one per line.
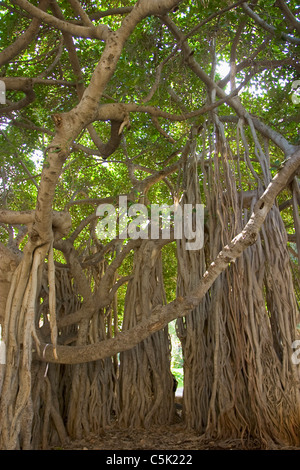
x=234 y=103
x=80 y=11
x=61 y=221
x=289 y=15
x=110 y=12
x=24 y=39
x=97 y=32
x=267 y=27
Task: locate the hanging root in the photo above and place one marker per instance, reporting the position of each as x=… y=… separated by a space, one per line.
x=19 y=329
x=52 y=300
x=145 y=380
x=240 y=383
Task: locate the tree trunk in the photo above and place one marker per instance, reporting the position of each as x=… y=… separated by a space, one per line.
x=145 y=381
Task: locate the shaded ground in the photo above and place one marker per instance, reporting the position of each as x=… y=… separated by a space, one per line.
x=173 y=437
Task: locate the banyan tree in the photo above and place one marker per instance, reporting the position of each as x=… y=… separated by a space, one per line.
x=110 y=113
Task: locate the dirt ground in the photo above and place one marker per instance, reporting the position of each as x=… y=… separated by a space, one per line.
x=173 y=437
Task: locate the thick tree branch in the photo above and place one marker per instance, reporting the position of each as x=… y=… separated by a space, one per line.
x=81 y=12
x=24 y=39
x=268 y=132
x=291 y=19
x=114 y=46
x=22 y=103
x=110 y=12
x=97 y=32
x=105 y=149
x=26 y=83
x=61 y=221
x=69 y=125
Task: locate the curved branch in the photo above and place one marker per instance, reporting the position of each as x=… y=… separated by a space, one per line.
x=110 y=12
x=260 y=65
x=29 y=98
x=111 y=146
x=98 y=32
x=24 y=39
x=61 y=221
x=119 y=111
x=267 y=27
x=107 y=149
x=289 y=15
